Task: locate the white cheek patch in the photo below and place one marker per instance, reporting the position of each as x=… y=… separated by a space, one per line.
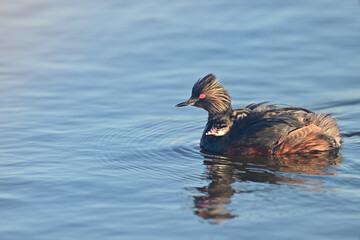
x=218 y=132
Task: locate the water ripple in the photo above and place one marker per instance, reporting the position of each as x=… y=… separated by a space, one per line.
x=351 y=134
x=153 y=148
x=338 y=103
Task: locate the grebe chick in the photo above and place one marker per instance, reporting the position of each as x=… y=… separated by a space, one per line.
x=259 y=129
x=222 y=125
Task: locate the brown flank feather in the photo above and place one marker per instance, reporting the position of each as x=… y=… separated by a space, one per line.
x=320 y=133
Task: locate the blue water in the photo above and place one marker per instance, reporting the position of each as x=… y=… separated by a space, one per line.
x=92 y=146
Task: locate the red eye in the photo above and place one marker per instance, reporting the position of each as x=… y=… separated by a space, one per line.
x=202 y=96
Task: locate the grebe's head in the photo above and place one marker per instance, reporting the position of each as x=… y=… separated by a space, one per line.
x=209 y=94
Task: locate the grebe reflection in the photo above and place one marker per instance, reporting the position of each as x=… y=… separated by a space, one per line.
x=212 y=202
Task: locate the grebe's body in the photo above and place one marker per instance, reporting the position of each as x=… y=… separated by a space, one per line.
x=259 y=129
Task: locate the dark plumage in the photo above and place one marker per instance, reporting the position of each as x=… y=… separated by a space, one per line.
x=260 y=129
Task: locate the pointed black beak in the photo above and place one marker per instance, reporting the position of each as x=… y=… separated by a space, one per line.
x=189 y=102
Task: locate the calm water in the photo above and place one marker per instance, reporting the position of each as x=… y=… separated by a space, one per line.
x=93 y=148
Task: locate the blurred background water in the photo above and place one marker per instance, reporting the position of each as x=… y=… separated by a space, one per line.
x=92 y=147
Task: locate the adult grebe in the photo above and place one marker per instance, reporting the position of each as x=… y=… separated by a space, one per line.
x=259 y=129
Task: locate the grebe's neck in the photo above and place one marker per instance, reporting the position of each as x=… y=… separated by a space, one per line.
x=222 y=115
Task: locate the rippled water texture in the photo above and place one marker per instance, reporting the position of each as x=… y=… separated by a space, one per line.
x=92 y=146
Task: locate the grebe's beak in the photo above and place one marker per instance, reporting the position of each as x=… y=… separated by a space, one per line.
x=189 y=102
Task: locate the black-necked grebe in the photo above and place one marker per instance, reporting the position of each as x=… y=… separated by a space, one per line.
x=259 y=129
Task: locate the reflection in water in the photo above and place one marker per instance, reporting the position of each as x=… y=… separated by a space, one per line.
x=224 y=171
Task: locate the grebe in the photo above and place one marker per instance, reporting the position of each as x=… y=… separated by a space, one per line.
x=259 y=129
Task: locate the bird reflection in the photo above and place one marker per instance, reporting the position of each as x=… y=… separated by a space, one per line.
x=212 y=202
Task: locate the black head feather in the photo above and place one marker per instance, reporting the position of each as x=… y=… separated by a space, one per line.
x=211 y=95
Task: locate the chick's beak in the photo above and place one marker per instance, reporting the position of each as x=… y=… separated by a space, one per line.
x=189 y=102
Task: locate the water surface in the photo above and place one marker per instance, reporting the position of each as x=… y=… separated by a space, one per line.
x=92 y=146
